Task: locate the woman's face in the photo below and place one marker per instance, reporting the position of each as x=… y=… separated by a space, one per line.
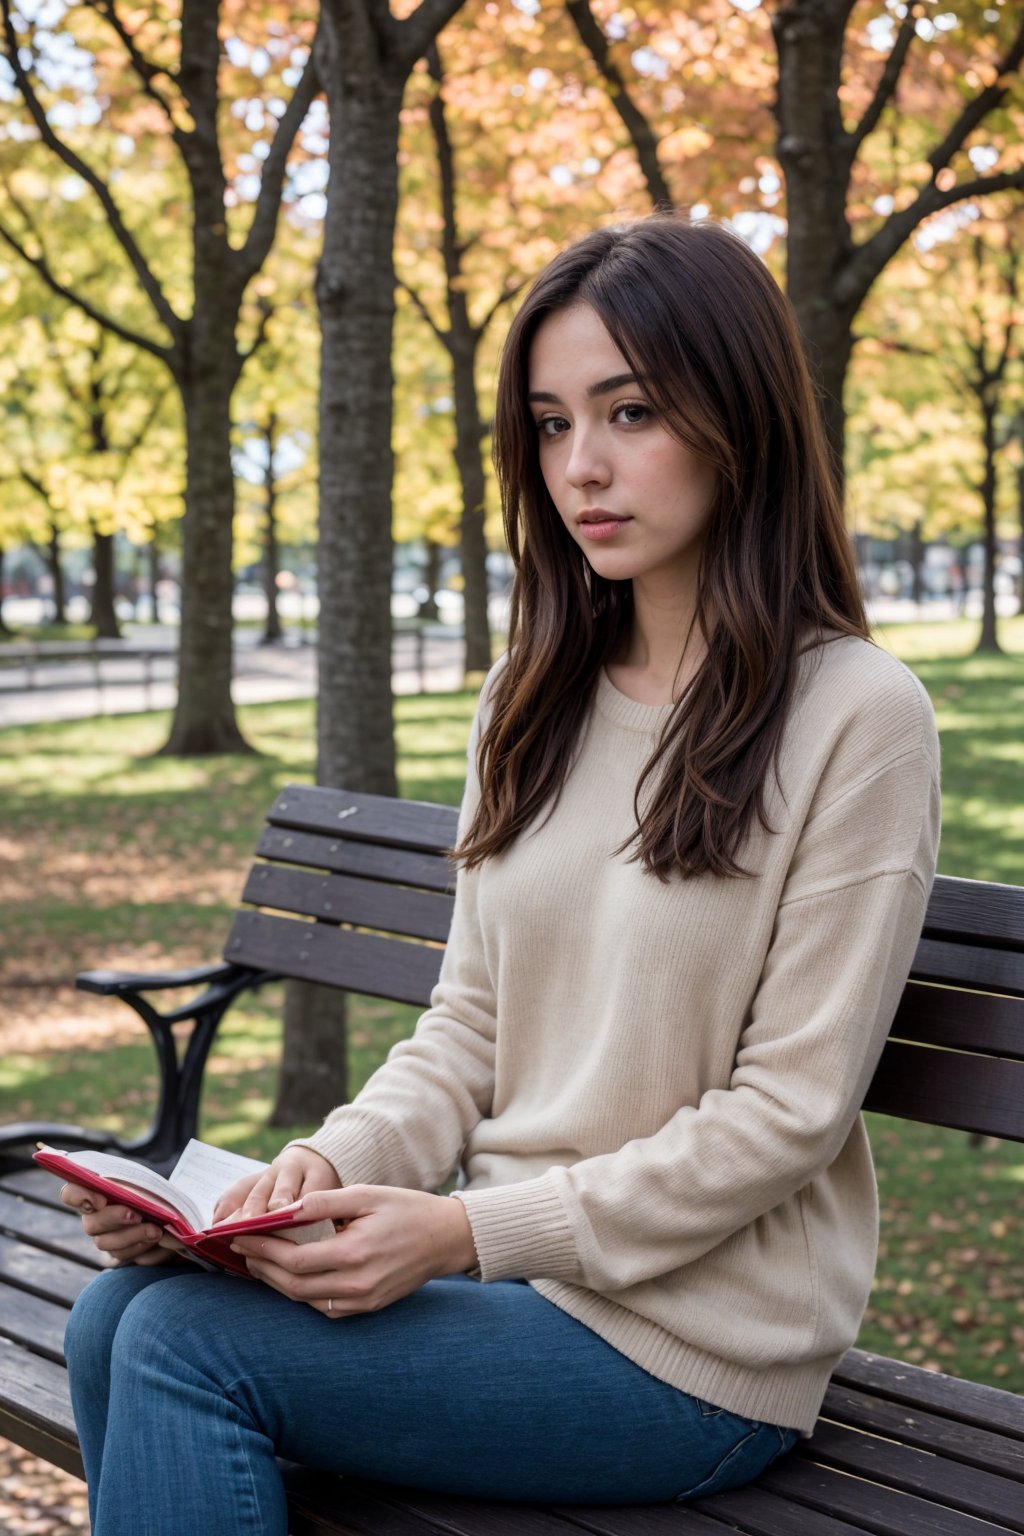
x=635 y=499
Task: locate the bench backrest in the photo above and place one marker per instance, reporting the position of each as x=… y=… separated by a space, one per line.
x=372 y=874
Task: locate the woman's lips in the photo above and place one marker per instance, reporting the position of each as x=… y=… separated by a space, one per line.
x=597 y=527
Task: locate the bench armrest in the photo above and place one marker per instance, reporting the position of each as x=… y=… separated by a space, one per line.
x=108 y=983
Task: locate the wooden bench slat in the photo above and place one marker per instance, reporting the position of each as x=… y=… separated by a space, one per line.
x=35 y=1324
x=399 y=866
x=343 y=899
x=34 y=1184
x=647 y=1520
x=967 y=1093
x=926 y=1431
x=35 y=1408
x=927 y=1476
x=886 y=1511
x=758 y=1512
x=412 y=824
x=43 y=1274
x=986 y=910
x=320 y=1504
x=479 y=1517
x=960 y=965
x=358 y=962
x=54 y=1231
x=965 y=1021
x=965 y=1402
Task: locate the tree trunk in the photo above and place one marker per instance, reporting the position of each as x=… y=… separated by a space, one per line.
x=5 y=628
x=915 y=545
x=363 y=70
x=468 y=457
x=314 y=1073
x=988 y=641
x=272 y=632
x=204 y=717
x=60 y=601
x=1020 y=540
x=154 y=577
x=816 y=162
x=355 y=292
x=462 y=340
x=102 y=612
x=431 y=579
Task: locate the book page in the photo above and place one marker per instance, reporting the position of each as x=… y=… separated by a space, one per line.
x=202 y=1173
x=137 y=1176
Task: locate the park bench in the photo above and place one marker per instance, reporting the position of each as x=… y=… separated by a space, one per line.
x=897 y=1449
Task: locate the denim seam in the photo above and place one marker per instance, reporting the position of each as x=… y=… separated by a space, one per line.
x=729 y=1455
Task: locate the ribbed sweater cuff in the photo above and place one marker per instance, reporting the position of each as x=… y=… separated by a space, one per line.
x=356 y=1157
x=521 y=1231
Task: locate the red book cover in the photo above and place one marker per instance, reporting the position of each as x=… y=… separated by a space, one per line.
x=161 y=1202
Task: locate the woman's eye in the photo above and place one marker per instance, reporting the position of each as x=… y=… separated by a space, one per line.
x=633 y=412
x=553 y=426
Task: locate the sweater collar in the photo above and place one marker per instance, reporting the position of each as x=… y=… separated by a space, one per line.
x=625 y=712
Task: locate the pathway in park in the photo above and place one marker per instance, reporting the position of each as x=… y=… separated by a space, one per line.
x=264 y=674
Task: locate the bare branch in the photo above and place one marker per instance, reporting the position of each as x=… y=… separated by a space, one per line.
x=644 y=139
x=266 y=314
x=134 y=443
x=887 y=84
x=441 y=335
x=417 y=31
x=74 y=162
x=41 y=265
x=268 y=202
x=871 y=257
x=146 y=71
x=505 y=297
x=979 y=106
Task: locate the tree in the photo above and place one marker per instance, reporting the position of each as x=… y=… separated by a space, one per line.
x=461 y=338
x=968 y=333
x=363 y=56
x=881 y=169
x=856 y=98
x=173 y=58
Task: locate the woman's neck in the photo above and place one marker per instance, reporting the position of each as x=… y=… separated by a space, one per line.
x=662 y=656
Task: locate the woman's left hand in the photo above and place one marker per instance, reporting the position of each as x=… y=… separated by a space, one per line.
x=392 y=1242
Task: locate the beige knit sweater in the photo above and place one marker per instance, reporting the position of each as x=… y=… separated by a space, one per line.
x=653 y=1088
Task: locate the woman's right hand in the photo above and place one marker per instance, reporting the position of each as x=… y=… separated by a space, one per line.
x=293 y=1173
x=122 y=1234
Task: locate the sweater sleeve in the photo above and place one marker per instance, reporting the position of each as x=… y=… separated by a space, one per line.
x=843 y=941
x=409 y=1123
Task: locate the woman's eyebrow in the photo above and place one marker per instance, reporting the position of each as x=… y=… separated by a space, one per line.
x=603 y=387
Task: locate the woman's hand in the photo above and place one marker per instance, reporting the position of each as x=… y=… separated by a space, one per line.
x=393 y=1241
x=119 y=1232
x=294 y=1172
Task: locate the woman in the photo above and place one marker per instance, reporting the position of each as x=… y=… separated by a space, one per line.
x=696 y=846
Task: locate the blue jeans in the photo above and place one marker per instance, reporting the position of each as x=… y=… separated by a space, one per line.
x=186 y=1385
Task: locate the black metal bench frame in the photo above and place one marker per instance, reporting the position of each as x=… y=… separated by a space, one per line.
x=898 y=1450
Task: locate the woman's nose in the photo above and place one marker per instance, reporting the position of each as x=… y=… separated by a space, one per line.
x=588 y=463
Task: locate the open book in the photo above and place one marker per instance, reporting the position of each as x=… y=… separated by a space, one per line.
x=184 y=1202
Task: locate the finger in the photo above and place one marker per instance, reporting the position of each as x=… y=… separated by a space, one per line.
x=126 y=1242
x=254 y=1201
x=235 y=1195
x=112 y=1218
x=81 y=1199
x=287 y=1187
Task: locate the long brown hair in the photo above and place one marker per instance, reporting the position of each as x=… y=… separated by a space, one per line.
x=702 y=323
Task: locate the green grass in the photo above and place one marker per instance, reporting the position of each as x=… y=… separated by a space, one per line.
x=132 y=858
